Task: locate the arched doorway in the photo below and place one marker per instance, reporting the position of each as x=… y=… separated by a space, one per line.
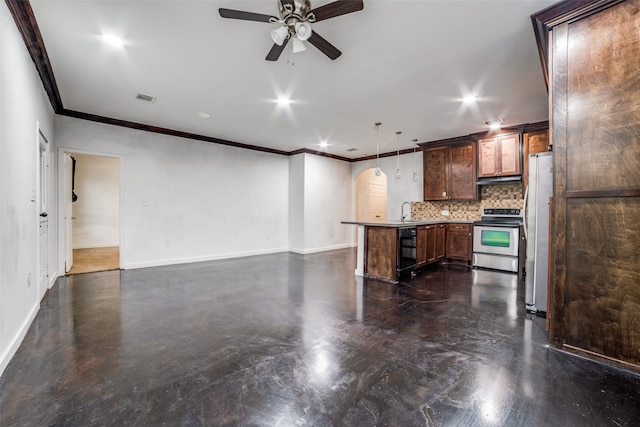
x=371 y=196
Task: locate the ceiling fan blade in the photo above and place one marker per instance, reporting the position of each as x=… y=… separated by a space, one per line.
x=324 y=46
x=247 y=16
x=276 y=50
x=337 y=8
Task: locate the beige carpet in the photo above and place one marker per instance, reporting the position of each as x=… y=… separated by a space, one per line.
x=95 y=259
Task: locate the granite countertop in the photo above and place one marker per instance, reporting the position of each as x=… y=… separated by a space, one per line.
x=398 y=224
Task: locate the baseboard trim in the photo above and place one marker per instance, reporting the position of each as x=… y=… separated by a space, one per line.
x=11 y=350
x=173 y=261
x=322 y=249
x=98 y=245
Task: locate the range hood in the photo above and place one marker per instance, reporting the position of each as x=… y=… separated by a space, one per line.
x=499 y=180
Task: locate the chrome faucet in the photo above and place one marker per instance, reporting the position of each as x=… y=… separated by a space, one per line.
x=402 y=210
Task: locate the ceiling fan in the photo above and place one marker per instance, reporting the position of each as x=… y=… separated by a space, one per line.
x=296 y=17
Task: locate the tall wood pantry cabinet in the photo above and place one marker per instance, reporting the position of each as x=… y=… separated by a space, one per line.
x=594 y=82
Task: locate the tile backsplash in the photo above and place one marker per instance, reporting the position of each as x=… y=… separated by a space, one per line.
x=491 y=196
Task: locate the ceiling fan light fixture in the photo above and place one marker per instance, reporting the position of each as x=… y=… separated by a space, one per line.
x=279 y=35
x=303 y=30
x=298 y=45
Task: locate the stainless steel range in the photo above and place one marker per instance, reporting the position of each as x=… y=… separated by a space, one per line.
x=496 y=239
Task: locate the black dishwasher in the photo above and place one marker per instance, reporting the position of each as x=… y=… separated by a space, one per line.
x=406 y=251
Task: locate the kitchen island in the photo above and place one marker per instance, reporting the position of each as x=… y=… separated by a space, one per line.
x=390 y=250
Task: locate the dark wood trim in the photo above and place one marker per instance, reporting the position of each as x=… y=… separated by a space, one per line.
x=389 y=154
x=590 y=194
x=521 y=129
x=600 y=357
x=559 y=220
x=193 y=136
x=533 y=127
x=28 y=27
x=165 y=131
x=542 y=42
x=559 y=13
x=318 y=153
x=448 y=141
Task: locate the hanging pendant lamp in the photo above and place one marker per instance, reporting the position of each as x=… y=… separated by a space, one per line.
x=378 y=171
x=415 y=173
x=398 y=154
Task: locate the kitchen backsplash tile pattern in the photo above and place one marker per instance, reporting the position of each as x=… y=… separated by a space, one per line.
x=491 y=196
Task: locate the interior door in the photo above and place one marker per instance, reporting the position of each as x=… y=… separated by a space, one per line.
x=371 y=196
x=68 y=211
x=377 y=201
x=43 y=229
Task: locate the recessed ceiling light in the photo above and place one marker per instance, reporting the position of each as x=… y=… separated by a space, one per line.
x=323 y=144
x=112 y=40
x=494 y=124
x=283 y=101
x=469 y=99
x=203 y=115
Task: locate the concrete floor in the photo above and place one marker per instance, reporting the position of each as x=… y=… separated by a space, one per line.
x=287 y=339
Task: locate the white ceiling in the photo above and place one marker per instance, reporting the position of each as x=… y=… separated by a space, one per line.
x=406 y=64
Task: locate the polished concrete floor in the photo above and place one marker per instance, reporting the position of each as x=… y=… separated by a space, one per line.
x=292 y=340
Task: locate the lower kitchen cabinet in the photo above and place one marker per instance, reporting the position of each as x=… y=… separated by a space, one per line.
x=421 y=245
x=459 y=242
x=381 y=249
x=430 y=244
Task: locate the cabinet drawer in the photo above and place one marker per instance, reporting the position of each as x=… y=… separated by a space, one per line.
x=462 y=228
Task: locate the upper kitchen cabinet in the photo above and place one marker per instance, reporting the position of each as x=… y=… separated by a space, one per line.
x=499 y=156
x=535 y=141
x=450 y=172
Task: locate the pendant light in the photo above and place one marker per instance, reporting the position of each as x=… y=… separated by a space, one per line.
x=378 y=170
x=398 y=154
x=415 y=173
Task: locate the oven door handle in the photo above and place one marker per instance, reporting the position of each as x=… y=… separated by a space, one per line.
x=524 y=213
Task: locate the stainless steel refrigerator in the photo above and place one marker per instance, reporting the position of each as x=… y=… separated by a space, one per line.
x=538 y=220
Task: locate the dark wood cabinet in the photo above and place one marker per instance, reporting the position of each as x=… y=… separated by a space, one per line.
x=462 y=172
x=381 y=253
x=459 y=242
x=430 y=244
x=438 y=242
x=450 y=172
x=421 y=246
x=534 y=142
x=594 y=305
x=499 y=156
x=435 y=173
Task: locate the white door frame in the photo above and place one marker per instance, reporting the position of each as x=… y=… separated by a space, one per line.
x=44 y=205
x=64 y=192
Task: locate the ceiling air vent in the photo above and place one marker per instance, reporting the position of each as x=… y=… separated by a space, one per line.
x=352 y=149
x=147 y=98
